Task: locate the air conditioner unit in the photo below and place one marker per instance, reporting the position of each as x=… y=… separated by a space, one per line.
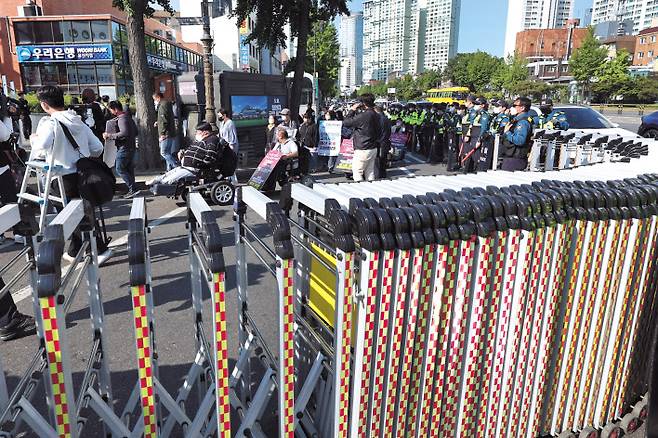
x=30 y=10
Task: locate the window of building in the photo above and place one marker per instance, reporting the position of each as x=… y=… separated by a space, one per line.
x=643 y=40
x=43 y=32
x=105 y=73
x=23 y=33
x=81 y=31
x=100 y=31
x=86 y=74
x=650 y=53
x=58 y=32
x=640 y=54
x=653 y=38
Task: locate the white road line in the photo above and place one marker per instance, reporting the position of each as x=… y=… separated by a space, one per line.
x=410 y=156
x=406 y=171
x=26 y=292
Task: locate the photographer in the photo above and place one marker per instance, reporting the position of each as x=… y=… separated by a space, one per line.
x=363 y=119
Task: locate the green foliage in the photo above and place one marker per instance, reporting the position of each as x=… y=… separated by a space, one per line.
x=612 y=77
x=129 y=6
x=510 y=74
x=323 y=57
x=273 y=15
x=406 y=87
x=586 y=60
x=641 y=90
x=473 y=70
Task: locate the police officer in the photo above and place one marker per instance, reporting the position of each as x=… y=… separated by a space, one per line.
x=517 y=137
x=433 y=128
x=453 y=133
x=476 y=136
x=499 y=119
x=550 y=118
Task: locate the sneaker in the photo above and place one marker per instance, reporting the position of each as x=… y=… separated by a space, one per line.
x=19 y=239
x=21 y=325
x=69 y=258
x=131 y=194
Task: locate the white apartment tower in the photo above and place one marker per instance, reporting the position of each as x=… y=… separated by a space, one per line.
x=407 y=36
x=350 y=36
x=642 y=12
x=534 y=14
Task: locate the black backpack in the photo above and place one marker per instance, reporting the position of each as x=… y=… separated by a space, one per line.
x=96 y=182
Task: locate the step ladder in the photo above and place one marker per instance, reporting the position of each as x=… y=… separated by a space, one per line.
x=44 y=173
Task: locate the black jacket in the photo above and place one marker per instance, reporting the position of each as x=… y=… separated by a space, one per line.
x=202 y=154
x=367 y=129
x=385 y=139
x=308 y=135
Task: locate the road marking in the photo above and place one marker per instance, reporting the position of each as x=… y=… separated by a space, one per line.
x=407 y=171
x=414 y=159
x=26 y=292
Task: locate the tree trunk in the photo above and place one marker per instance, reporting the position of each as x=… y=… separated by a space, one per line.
x=302 y=43
x=143 y=85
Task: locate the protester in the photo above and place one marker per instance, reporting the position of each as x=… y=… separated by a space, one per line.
x=202 y=154
x=290 y=153
x=384 y=143
x=270 y=129
x=166 y=130
x=331 y=160
x=308 y=137
x=123 y=131
x=92 y=113
x=24 y=115
x=227 y=131
x=291 y=125
x=51 y=140
x=367 y=131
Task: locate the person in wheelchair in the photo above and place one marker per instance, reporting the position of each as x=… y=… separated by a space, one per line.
x=292 y=163
x=202 y=154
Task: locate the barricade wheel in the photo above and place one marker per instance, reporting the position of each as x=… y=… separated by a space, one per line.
x=567 y=434
x=588 y=432
x=630 y=423
x=612 y=431
x=221 y=193
x=641 y=409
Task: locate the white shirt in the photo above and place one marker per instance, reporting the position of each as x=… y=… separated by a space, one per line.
x=6 y=129
x=287 y=148
x=50 y=140
x=229 y=134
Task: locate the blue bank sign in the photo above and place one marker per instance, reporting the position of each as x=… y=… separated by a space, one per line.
x=65 y=52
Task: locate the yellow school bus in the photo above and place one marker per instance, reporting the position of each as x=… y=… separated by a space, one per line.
x=448 y=95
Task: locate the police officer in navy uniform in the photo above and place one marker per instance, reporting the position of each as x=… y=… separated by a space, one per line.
x=550 y=118
x=517 y=138
x=499 y=119
x=453 y=128
x=434 y=124
x=476 y=136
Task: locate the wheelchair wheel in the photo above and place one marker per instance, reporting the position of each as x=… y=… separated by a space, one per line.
x=221 y=193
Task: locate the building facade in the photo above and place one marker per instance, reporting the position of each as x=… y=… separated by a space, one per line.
x=350 y=36
x=231 y=50
x=407 y=36
x=642 y=12
x=85 y=51
x=646 y=48
x=534 y=14
x=549 y=43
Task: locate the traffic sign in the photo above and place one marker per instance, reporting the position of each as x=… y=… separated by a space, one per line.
x=190 y=21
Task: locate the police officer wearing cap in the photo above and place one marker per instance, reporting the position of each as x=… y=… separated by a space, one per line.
x=517 y=136
x=550 y=118
x=477 y=135
x=433 y=128
x=499 y=119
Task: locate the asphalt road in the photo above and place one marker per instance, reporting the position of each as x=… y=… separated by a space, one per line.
x=173 y=306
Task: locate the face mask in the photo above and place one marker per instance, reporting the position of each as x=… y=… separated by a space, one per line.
x=460 y=112
x=477 y=107
x=398 y=123
x=496 y=110
x=545 y=110
x=198 y=137
x=220 y=118
x=513 y=111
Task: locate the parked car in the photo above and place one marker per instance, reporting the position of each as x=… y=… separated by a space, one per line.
x=649 y=126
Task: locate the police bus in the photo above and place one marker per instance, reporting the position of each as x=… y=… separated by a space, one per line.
x=448 y=95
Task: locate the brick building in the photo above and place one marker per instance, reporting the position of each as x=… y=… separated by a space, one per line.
x=80 y=44
x=550 y=43
x=646 y=47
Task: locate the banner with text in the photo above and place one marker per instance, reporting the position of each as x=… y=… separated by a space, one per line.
x=329 y=145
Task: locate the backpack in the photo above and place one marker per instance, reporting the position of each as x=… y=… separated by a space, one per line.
x=95 y=179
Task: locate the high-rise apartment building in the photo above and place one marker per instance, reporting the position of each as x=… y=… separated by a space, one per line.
x=350 y=36
x=407 y=36
x=641 y=12
x=534 y=14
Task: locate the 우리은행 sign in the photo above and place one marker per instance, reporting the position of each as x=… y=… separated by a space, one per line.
x=65 y=52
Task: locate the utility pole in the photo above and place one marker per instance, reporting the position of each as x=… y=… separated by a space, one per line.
x=211 y=117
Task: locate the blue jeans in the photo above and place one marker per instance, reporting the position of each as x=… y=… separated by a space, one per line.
x=125 y=167
x=167 y=152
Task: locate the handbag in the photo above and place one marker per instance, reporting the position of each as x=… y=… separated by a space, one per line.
x=96 y=182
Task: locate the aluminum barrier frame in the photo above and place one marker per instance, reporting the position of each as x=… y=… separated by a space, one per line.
x=345 y=201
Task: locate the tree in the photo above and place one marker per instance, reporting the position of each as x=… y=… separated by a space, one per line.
x=612 y=77
x=641 y=90
x=143 y=86
x=323 y=57
x=586 y=60
x=271 y=18
x=472 y=70
x=510 y=74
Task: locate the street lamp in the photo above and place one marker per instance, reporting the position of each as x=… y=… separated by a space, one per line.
x=206 y=39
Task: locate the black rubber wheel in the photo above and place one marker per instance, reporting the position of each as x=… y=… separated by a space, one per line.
x=221 y=193
x=651 y=133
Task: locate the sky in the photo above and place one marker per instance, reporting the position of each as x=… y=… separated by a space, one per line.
x=482 y=23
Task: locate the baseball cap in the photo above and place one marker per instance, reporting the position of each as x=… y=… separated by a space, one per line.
x=285 y=111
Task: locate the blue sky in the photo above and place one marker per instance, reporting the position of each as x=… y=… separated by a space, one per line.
x=482 y=23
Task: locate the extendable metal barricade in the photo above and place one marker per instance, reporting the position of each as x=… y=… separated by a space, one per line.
x=500 y=304
x=68 y=413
